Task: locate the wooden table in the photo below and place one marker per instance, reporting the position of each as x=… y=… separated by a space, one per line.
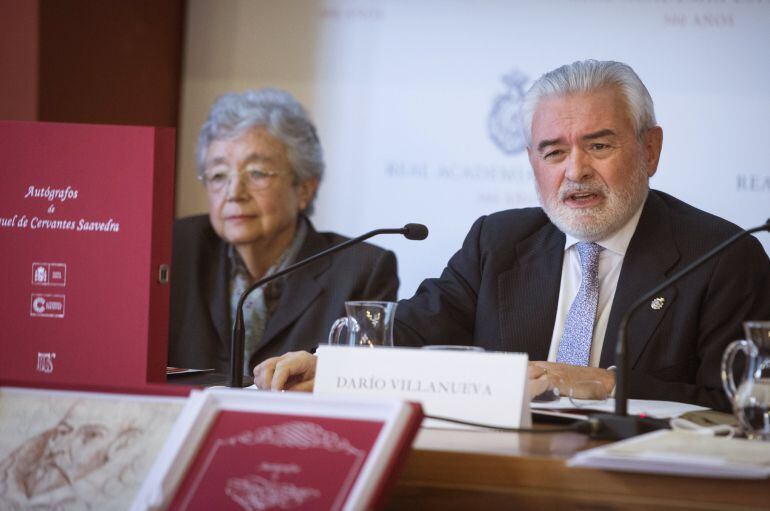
x=451 y=470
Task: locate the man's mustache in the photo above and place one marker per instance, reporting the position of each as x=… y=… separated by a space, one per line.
x=570 y=188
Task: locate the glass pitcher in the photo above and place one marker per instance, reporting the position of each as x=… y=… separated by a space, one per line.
x=368 y=324
x=751 y=397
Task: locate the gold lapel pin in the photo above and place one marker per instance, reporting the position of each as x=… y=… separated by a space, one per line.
x=657 y=303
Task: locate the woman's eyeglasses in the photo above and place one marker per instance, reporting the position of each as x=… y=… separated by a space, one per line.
x=255 y=179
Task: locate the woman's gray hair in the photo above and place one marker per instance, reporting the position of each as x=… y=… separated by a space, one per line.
x=589 y=76
x=280 y=114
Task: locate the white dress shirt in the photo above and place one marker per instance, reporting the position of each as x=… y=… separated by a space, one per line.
x=610 y=263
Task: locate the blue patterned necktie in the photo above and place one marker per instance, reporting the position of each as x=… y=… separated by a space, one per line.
x=575 y=343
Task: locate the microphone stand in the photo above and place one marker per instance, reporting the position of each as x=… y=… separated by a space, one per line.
x=237 y=340
x=620 y=425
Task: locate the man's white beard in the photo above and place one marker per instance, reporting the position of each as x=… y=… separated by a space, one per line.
x=592 y=224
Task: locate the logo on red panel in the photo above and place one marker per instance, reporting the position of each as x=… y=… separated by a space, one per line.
x=47 y=305
x=49 y=274
x=45 y=362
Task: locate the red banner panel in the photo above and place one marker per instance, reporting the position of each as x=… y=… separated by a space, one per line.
x=85 y=232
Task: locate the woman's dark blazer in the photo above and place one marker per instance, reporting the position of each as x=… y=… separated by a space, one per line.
x=310 y=298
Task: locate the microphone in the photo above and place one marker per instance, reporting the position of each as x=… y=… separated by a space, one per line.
x=620 y=425
x=414 y=231
x=237 y=340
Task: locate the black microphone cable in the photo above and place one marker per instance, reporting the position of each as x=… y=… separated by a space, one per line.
x=409 y=231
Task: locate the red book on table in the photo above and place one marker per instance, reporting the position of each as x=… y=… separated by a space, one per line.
x=277 y=460
x=85 y=230
x=234 y=449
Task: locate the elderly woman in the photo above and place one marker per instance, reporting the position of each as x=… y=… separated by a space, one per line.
x=260 y=160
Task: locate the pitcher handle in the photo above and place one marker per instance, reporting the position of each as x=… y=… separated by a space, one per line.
x=336 y=330
x=751 y=352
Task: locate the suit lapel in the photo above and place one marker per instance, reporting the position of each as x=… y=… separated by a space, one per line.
x=651 y=253
x=299 y=289
x=529 y=293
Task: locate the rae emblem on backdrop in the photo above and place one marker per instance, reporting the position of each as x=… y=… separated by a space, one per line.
x=504 y=123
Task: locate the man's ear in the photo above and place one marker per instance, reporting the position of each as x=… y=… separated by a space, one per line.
x=653 y=144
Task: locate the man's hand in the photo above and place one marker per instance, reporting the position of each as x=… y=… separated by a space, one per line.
x=538 y=381
x=292 y=371
x=566 y=378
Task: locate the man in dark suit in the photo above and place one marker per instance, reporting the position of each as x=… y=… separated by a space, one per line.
x=502 y=289
x=554 y=281
x=261 y=162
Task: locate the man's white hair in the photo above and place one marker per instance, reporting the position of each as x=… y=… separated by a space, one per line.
x=588 y=76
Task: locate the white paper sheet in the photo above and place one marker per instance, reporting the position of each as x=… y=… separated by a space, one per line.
x=681 y=453
x=655 y=409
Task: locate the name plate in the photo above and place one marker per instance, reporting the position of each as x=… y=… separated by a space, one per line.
x=481 y=387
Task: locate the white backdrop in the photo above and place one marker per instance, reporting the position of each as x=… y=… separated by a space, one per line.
x=404 y=91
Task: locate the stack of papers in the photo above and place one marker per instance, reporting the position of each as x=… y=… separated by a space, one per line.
x=655 y=409
x=681 y=453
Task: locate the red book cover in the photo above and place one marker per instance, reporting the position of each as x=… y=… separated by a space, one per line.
x=264 y=461
x=244 y=449
x=85 y=226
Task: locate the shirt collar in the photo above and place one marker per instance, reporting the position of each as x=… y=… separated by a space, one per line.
x=287 y=258
x=618 y=241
